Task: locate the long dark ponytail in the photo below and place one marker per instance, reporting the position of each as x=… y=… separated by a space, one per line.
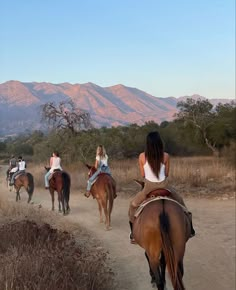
x=154 y=151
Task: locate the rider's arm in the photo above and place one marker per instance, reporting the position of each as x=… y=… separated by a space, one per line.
x=51 y=160
x=167 y=164
x=141 y=161
x=96 y=164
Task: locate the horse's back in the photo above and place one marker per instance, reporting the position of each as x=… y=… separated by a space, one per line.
x=105 y=179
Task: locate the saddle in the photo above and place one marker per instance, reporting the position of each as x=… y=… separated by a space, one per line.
x=19 y=174
x=159 y=192
x=54 y=171
x=100 y=174
x=158 y=197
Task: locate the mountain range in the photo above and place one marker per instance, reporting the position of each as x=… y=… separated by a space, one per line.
x=20 y=104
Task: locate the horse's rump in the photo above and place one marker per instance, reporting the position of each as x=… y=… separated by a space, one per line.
x=163 y=226
x=153 y=199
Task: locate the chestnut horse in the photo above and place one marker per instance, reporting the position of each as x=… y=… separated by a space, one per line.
x=162 y=229
x=25 y=180
x=60 y=182
x=104 y=190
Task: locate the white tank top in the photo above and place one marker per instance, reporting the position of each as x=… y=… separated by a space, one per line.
x=56 y=163
x=21 y=165
x=150 y=176
x=102 y=161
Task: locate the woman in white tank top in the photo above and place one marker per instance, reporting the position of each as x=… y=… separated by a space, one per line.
x=55 y=163
x=101 y=164
x=154 y=165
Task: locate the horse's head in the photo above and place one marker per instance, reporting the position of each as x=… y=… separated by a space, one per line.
x=47 y=168
x=92 y=170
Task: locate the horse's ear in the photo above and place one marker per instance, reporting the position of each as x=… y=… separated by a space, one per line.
x=89 y=167
x=139 y=182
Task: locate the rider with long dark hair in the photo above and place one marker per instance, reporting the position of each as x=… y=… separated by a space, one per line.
x=154 y=165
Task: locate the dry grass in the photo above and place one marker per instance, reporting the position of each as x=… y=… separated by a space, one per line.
x=36 y=255
x=195 y=175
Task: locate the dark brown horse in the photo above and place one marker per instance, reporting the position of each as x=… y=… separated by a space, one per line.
x=60 y=182
x=104 y=190
x=25 y=180
x=8 y=178
x=162 y=229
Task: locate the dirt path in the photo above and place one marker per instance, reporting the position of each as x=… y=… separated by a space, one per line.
x=209 y=259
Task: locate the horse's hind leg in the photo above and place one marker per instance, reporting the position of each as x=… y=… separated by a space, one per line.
x=154 y=266
x=52 y=196
x=100 y=210
x=17 y=194
x=107 y=215
x=180 y=273
x=59 y=202
x=153 y=279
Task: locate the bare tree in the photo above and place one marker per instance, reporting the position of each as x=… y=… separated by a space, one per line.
x=65 y=115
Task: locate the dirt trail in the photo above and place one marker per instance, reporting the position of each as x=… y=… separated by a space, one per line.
x=209 y=259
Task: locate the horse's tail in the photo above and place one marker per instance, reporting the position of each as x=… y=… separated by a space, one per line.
x=110 y=196
x=66 y=185
x=30 y=187
x=169 y=251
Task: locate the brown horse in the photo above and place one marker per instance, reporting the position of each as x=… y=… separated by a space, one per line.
x=162 y=229
x=25 y=180
x=60 y=182
x=104 y=190
x=8 y=178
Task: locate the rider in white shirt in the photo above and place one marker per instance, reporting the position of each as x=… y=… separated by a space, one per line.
x=20 y=169
x=55 y=163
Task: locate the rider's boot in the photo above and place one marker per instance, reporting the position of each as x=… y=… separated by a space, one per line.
x=132 y=240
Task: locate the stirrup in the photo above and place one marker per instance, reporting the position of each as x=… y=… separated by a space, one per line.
x=192 y=234
x=132 y=240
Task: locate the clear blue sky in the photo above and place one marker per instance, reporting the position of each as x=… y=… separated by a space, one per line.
x=166 y=48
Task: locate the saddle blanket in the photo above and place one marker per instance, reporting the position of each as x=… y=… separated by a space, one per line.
x=18 y=175
x=142 y=205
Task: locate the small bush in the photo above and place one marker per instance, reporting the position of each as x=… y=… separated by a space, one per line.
x=43 y=258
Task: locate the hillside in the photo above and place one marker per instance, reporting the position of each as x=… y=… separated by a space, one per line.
x=108 y=106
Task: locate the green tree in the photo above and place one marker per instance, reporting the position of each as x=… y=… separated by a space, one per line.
x=200 y=114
